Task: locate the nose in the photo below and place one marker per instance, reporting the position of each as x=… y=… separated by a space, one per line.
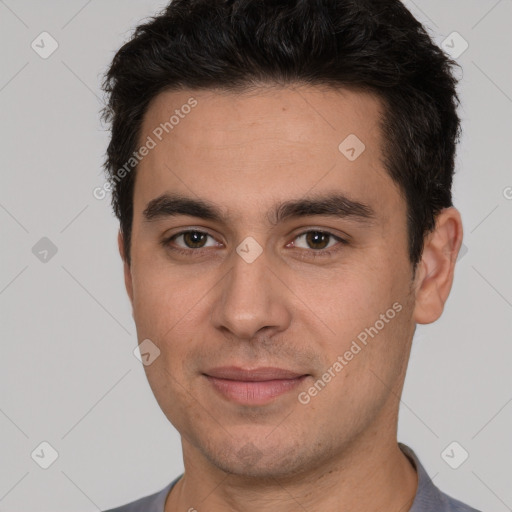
x=251 y=299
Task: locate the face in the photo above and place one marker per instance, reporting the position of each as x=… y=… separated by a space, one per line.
x=259 y=243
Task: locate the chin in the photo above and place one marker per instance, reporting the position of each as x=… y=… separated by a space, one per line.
x=259 y=459
x=260 y=470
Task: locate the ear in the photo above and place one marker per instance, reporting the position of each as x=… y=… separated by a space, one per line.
x=434 y=275
x=127 y=271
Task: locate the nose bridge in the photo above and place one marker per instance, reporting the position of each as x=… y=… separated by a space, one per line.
x=251 y=298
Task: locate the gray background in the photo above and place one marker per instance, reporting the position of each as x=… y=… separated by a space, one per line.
x=68 y=375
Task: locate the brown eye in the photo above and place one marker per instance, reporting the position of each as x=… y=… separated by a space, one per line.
x=194 y=239
x=190 y=240
x=316 y=240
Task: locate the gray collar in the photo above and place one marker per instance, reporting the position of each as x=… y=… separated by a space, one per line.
x=428 y=497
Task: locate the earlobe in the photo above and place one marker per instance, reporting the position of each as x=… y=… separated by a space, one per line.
x=437 y=266
x=126 y=267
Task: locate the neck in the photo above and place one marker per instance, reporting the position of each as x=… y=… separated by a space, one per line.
x=372 y=477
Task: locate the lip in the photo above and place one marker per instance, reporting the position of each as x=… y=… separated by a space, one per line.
x=252 y=375
x=256 y=386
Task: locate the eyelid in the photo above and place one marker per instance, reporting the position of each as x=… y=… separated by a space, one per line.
x=335 y=233
x=333 y=237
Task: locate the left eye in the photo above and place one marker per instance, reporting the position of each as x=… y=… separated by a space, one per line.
x=193 y=239
x=317 y=240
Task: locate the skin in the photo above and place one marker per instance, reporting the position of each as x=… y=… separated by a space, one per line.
x=245 y=153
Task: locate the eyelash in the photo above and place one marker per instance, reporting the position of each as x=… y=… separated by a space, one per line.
x=313 y=253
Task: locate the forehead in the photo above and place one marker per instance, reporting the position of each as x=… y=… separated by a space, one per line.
x=240 y=148
x=303 y=115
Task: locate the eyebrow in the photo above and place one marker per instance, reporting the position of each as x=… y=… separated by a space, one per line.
x=331 y=205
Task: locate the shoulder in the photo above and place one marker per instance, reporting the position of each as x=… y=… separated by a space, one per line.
x=428 y=497
x=152 y=503
x=453 y=505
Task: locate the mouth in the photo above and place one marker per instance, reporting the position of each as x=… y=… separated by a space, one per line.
x=256 y=386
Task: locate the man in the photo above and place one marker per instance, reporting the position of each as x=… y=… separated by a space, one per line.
x=282 y=175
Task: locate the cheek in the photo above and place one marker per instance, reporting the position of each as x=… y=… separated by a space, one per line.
x=348 y=299
x=172 y=307
x=367 y=309
x=159 y=299
x=367 y=359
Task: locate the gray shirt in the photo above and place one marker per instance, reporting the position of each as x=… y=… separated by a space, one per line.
x=428 y=497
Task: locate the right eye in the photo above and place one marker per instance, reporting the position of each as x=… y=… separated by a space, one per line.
x=189 y=241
